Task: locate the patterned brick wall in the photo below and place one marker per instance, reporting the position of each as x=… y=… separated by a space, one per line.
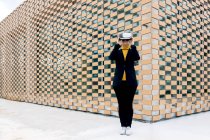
x=55 y=53
x=184 y=57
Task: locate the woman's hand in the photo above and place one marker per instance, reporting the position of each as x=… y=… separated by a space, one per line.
x=116 y=46
x=131 y=42
x=119 y=42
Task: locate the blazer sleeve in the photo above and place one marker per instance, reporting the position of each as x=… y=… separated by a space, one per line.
x=113 y=54
x=135 y=54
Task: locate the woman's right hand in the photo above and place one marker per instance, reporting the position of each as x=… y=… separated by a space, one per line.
x=117 y=46
x=119 y=42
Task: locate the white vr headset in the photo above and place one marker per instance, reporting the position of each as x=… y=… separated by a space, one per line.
x=125 y=35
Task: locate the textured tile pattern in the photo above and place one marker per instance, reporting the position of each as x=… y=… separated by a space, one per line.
x=55 y=53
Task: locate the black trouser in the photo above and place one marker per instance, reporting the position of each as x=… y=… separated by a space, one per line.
x=125 y=95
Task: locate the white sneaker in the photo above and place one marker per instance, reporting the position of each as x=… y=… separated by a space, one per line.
x=128 y=131
x=123 y=131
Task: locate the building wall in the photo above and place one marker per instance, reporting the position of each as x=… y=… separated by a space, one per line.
x=184 y=52
x=55 y=53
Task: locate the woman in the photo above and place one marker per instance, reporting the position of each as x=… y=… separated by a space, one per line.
x=125 y=83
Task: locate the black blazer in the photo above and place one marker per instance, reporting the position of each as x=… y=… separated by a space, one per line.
x=122 y=65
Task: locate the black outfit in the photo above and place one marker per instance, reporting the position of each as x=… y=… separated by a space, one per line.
x=125 y=90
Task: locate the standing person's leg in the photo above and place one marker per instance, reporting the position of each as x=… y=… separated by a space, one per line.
x=128 y=96
x=121 y=98
x=131 y=94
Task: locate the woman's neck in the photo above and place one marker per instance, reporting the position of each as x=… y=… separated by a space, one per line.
x=125 y=46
